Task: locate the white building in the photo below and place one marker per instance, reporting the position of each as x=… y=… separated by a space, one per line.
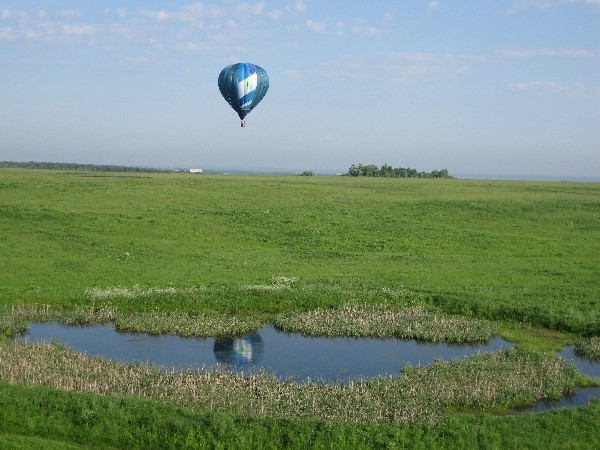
x=195 y=170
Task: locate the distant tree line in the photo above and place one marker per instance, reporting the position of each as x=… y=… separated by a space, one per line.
x=386 y=171
x=76 y=166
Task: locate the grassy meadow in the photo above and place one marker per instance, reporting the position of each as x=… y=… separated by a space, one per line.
x=527 y=251
x=195 y=254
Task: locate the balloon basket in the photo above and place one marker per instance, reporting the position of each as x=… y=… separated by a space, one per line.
x=243 y=124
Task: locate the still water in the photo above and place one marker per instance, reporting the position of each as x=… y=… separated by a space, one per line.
x=287 y=355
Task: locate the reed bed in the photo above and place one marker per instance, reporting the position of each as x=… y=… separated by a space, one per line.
x=16 y=319
x=182 y=324
x=384 y=321
x=588 y=347
x=506 y=379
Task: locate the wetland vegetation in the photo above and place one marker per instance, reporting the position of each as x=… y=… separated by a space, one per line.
x=175 y=253
x=588 y=347
x=501 y=380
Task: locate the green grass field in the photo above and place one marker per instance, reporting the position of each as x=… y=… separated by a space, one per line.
x=523 y=250
x=522 y=253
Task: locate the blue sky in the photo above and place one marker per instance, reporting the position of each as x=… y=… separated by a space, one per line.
x=474 y=86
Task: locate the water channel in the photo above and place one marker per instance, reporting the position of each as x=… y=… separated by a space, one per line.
x=287 y=355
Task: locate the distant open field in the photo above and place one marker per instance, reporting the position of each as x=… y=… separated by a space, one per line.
x=528 y=251
x=157 y=251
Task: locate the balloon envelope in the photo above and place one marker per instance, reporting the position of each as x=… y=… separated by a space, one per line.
x=243 y=85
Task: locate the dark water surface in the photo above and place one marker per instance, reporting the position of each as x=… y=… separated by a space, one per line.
x=287 y=355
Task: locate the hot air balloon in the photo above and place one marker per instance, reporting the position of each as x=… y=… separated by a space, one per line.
x=243 y=85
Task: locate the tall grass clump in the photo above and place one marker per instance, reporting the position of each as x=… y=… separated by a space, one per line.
x=186 y=325
x=16 y=319
x=383 y=321
x=588 y=347
x=508 y=378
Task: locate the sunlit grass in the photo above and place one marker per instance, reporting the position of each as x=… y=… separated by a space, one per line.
x=520 y=251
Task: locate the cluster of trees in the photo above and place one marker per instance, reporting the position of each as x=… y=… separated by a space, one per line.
x=371 y=170
x=76 y=166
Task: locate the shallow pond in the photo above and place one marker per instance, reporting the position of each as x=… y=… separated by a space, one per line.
x=287 y=355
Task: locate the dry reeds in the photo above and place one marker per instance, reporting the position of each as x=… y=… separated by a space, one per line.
x=505 y=379
x=383 y=321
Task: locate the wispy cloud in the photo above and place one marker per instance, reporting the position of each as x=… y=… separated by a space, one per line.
x=539 y=86
x=581 y=90
x=299 y=6
x=410 y=66
x=366 y=30
x=316 y=27
x=432 y=5
x=7 y=34
x=70 y=13
x=550 y=53
x=292 y=9
x=275 y=14
x=544 y=5
x=250 y=8
x=193 y=13
x=398 y=67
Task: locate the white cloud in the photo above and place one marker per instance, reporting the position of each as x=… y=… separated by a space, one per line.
x=276 y=14
x=545 y=86
x=193 y=13
x=574 y=90
x=550 y=53
x=316 y=27
x=293 y=73
x=198 y=47
x=70 y=13
x=7 y=34
x=249 y=8
x=340 y=27
x=78 y=30
x=366 y=30
x=410 y=66
x=299 y=6
x=432 y=5
x=518 y=5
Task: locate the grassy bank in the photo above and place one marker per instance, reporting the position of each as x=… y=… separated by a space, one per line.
x=520 y=250
x=43 y=417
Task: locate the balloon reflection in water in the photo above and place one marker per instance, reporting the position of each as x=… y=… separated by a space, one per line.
x=239 y=352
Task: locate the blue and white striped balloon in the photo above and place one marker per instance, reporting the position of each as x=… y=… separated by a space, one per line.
x=243 y=85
